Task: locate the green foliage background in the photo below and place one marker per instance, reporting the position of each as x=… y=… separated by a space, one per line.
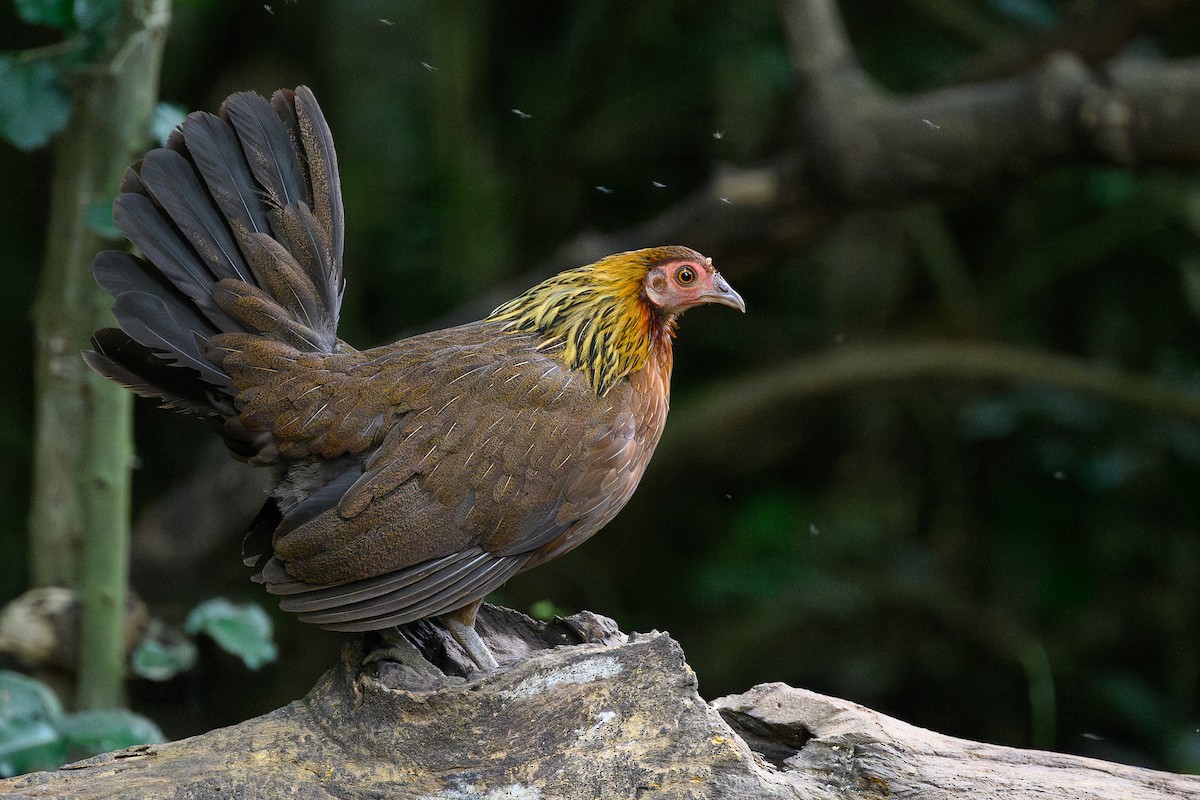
x=1003 y=562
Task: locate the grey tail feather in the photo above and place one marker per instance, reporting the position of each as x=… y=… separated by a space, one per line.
x=247 y=202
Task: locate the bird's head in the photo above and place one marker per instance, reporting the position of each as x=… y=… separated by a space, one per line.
x=679 y=278
x=606 y=317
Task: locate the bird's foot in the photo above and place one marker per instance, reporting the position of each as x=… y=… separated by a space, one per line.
x=397 y=648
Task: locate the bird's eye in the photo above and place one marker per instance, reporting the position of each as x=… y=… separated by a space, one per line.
x=685 y=275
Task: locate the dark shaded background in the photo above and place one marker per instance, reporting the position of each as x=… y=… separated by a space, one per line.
x=1000 y=561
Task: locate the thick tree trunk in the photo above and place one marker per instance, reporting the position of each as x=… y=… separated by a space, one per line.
x=615 y=717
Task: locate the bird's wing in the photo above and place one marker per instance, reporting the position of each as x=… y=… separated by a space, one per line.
x=430 y=588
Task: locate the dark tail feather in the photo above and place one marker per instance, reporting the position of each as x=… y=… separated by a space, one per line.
x=214 y=147
x=285 y=280
x=145 y=224
x=306 y=124
x=161 y=326
x=298 y=231
x=273 y=157
x=138 y=368
x=119 y=272
x=326 y=188
x=239 y=218
x=174 y=184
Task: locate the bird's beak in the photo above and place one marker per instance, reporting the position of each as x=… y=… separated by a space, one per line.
x=724 y=294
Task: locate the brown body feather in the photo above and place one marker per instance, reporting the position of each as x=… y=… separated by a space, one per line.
x=413 y=478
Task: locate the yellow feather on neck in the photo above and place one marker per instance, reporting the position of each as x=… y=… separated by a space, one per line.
x=597 y=315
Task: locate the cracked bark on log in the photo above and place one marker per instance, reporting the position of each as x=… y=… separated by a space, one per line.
x=615 y=716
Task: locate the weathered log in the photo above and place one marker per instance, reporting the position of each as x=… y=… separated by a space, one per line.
x=613 y=717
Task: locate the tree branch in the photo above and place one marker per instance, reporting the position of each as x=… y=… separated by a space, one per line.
x=864 y=146
x=818 y=43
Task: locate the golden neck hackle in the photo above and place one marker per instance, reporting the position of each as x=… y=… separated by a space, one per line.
x=597 y=315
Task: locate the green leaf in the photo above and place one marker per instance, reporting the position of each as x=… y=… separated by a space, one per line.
x=23 y=698
x=166 y=117
x=243 y=630
x=55 y=13
x=29 y=718
x=91 y=732
x=33 y=106
x=159 y=658
x=29 y=746
x=546 y=609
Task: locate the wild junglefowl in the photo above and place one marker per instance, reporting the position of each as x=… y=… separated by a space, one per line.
x=411 y=479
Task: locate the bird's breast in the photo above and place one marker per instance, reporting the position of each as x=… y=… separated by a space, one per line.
x=634 y=415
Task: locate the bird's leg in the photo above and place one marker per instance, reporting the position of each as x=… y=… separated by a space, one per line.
x=461 y=625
